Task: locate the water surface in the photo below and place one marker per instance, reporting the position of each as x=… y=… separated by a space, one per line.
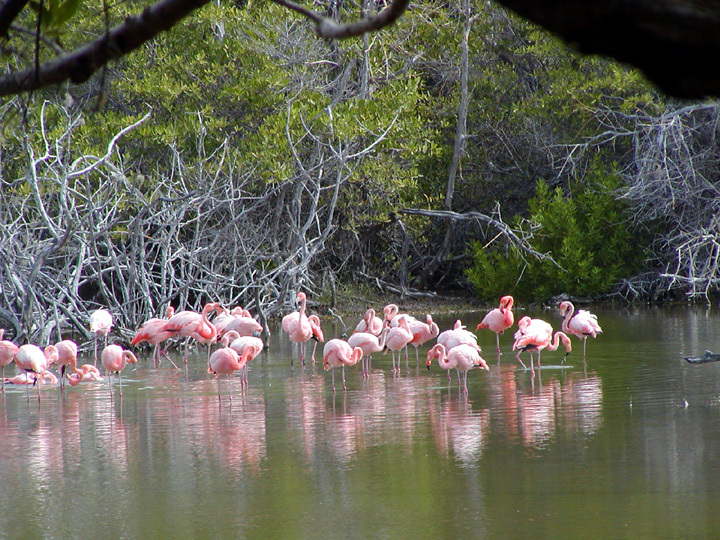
x=623 y=445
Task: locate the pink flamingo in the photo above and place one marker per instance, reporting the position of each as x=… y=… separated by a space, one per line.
x=369 y=343
x=370 y=323
x=422 y=332
x=398 y=337
x=300 y=329
x=225 y=361
x=338 y=353
x=101 y=322
x=192 y=325
x=392 y=315
x=152 y=332
x=457 y=335
x=114 y=359
x=64 y=355
x=8 y=350
x=31 y=359
x=86 y=372
x=25 y=378
x=244 y=326
x=252 y=344
x=536 y=335
x=499 y=319
x=580 y=323
x=463 y=357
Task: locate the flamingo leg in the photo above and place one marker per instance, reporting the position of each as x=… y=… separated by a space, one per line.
x=343 y=377
x=120 y=383
x=95 y=350
x=497 y=342
x=302 y=353
x=332 y=373
x=313 y=352
x=218 y=385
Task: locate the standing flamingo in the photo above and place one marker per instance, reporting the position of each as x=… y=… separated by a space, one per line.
x=8 y=350
x=101 y=322
x=463 y=357
x=457 y=335
x=398 y=338
x=370 y=323
x=369 y=343
x=243 y=325
x=499 y=319
x=534 y=335
x=300 y=329
x=64 y=355
x=580 y=323
x=152 y=332
x=422 y=332
x=31 y=359
x=197 y=326
x=250 y=343
x=225 y=361
x=114 y=359
x=338 y=353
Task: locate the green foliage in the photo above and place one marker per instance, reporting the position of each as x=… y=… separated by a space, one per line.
x=585 y=232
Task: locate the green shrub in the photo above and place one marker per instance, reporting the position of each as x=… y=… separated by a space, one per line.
x=586 y=232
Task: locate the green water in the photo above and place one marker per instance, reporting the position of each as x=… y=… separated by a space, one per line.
x=623 y=445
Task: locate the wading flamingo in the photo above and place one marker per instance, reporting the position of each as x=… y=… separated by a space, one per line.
x=64 y=355
x=87 y=372
x=422 y=332
x=197 y=326
x=31 y=359
x=369 y=343
x=244 y=326
x=114 y=359
x=580 y=323
x=499 y=319
x=463 y=358
x=338 y=353
x=101 y=322
x=398 y=338
x=226 y=361
x=535 y=335
x=457 y=335
x=247 y=343
x=370 y=324
x=300 y=328
x=8 y=350
x=152 y=332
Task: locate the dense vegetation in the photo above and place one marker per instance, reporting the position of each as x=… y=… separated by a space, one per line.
x=240 y=157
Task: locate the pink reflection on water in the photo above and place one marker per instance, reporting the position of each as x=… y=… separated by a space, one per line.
x=458 y=430
x=534 y=413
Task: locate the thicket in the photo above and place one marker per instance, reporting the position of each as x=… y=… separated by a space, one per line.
x=238 y=157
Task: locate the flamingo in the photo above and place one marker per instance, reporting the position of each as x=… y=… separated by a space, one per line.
x=241 y=344
x=31 y=359
x=536 y=335
x=86 y=372
x=457 y=335
x=114 y=359
x=462 y=357
x=225 y=316
x=422 y=332
x=499 y=319
x=369 y=343
x=64 y=355
x=317 y=333
x=338 y=353
x=398 y=337
x=152 y=332
x=225 y=361
x=8 y=350
x=243 y=325
x=392 y=315
x=194 y=325
x=299 y=328
x=370 y=323
x=101 y=322
x=580 y=323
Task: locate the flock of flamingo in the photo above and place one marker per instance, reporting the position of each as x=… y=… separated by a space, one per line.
x=236 y=330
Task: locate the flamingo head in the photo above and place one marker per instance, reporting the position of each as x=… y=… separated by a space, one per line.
x=564 y=307
x=506 y=302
